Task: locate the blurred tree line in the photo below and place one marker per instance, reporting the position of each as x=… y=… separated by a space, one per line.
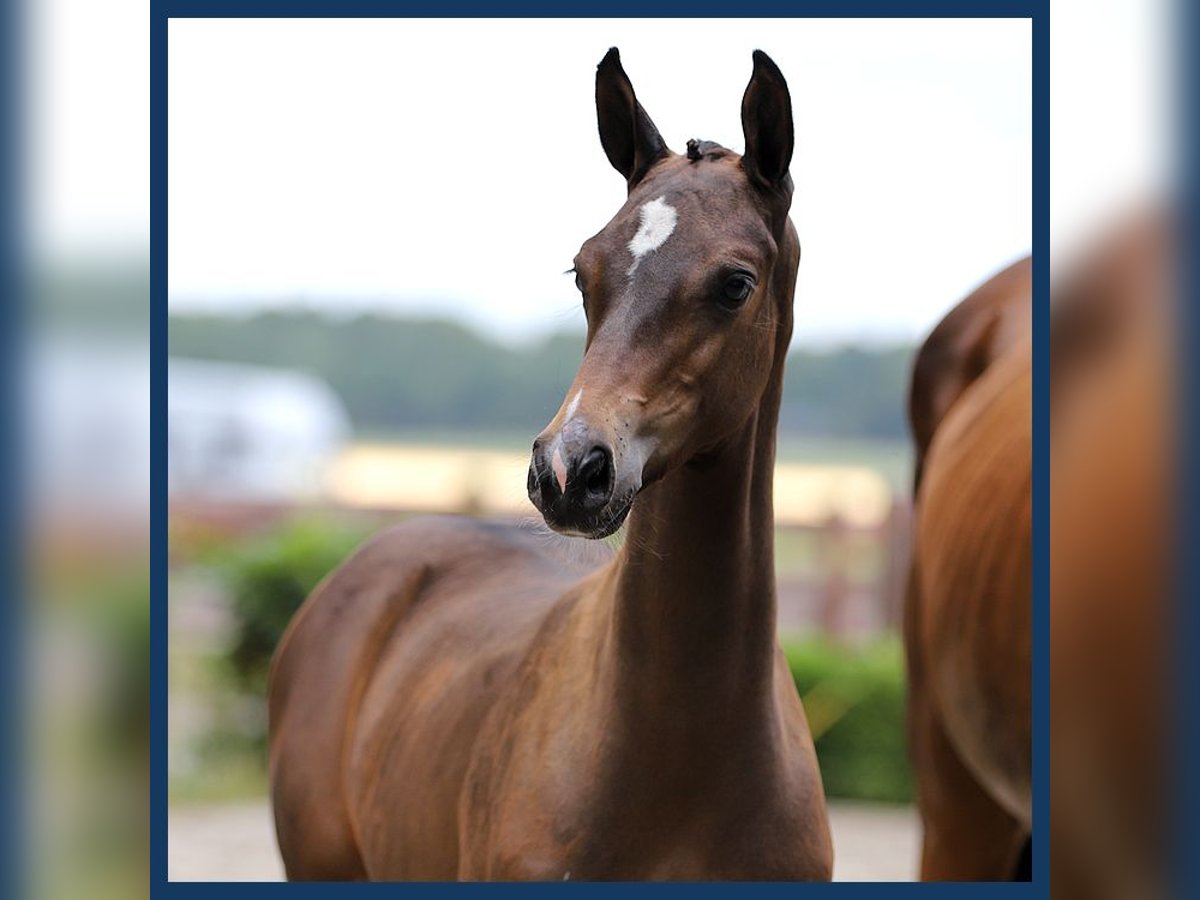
x=404 y=373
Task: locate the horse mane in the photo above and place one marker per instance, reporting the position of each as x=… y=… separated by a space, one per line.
x=710 y=150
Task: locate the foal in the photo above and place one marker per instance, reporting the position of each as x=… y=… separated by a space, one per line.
x=456 y=701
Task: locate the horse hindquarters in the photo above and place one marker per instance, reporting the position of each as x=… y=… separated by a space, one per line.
x=1112 y=543
x=967 y=631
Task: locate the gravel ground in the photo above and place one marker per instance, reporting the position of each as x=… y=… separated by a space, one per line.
x=237 y=843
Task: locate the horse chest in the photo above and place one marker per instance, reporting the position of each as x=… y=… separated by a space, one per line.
x=580 y=824
x=637 y=851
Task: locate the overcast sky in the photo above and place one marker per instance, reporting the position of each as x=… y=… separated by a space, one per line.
x=88 y=149
x=453 y=167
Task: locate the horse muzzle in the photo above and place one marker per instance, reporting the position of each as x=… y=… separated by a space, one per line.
x=573 y=482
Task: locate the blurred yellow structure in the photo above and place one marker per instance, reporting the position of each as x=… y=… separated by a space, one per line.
x=454 y=479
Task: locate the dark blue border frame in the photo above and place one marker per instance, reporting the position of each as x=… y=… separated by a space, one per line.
x=1186 y=668
x=1036 y=10
x=14 y=858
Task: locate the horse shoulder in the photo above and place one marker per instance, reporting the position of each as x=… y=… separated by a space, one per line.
x=523 y=797
x=423 y=624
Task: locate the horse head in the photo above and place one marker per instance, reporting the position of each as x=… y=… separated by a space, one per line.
x=688 y=296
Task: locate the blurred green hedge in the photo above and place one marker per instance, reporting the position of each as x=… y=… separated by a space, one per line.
x=854 y=698
x=268 y=577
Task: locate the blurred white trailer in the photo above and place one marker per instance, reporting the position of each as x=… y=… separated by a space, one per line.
x=240 y=433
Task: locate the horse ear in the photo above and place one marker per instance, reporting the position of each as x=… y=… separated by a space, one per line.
x=767 y=124
x=629 y=138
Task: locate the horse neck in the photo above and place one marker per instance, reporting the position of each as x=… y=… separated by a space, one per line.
x=692 y=592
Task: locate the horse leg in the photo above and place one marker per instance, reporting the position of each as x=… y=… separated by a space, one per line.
x=968 y=836
x=1024 y=870
x=314 y=835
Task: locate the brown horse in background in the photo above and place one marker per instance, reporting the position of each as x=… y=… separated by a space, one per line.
x=968 y=610
x=967 y=623
x=1111 y=542
x=993 y=318
x=458 y=702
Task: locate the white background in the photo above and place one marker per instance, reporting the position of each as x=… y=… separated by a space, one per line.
x=453 y=167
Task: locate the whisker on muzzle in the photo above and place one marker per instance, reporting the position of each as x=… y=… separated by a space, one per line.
x=577 y=552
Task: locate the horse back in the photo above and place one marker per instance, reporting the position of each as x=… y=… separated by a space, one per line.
x=991 y=320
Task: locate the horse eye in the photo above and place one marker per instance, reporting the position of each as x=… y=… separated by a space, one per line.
x=737 y=289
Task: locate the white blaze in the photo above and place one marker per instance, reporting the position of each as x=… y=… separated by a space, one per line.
x=658 y=221
x=558 y=462
x=574 y=406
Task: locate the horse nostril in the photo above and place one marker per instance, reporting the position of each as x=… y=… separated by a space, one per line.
x=596 y=472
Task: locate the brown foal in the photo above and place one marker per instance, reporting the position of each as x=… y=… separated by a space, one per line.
x=461 y=701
